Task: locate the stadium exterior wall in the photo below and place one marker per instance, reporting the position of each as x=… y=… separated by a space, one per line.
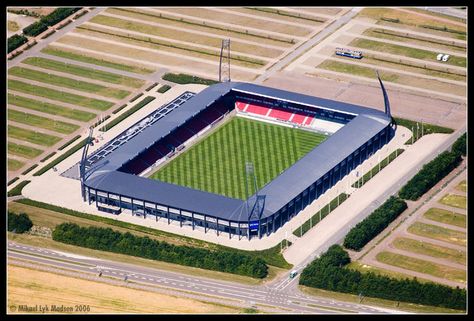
x=233 y=218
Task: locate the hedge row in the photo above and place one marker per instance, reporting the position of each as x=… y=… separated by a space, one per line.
x=53 y=18
x=61 y=158
x=69 y=142
x=164 y=89
x=19 y=223
x=459 y=145
x=328 y=273
x=29 y=169
x=13 y=180
x=17 y=189
x=129 y=112
x=375 y=223
x=48 y=157
x=429 y=175
x=16 y=41
x=183 y=79
x=106 y=239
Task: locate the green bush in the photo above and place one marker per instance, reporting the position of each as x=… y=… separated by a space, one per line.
x=69 y=142
x=19 y=223
x=13 y=180
x=29 y=169
x=371 y=226
x=58 y=15
x=17 y=189
x=16 y=41
x=459 y=145
x=328 y=273
x=35 y=28
x=183 y=79
x=163 y=89
x=129 y=112
x=106 y=239
x=429 y=175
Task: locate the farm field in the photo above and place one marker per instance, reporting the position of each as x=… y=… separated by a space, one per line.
x=217 y=164
x=454 y=200
x=29 y=286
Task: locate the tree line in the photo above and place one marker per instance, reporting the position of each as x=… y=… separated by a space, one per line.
x=371 y=226
x=19 y=223
x=51 y=19
x=329 y=273
x=106 y=239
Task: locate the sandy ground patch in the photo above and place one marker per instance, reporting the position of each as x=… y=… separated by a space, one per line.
x=32 y=287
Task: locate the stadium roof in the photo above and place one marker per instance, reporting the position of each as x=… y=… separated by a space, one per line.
x=299 y=176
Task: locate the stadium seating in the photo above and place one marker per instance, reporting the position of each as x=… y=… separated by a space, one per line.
x=280 y=114
x=298 y=119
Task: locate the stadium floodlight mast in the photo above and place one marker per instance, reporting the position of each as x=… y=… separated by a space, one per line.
x=224 y=61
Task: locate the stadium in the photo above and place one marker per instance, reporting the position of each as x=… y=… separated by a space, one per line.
x=180 y=163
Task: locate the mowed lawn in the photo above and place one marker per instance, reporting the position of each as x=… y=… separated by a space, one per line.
x=23 y=151
x=66 y=82
x=49 y=108
x=49 y=93
x=84 y=72
x=32 y=136
x=14 y=164
x=41 y=122
x=217 y=164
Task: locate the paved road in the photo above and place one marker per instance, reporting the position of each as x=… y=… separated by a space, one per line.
x=459 y=13
x=308 y=44
x=276 y=296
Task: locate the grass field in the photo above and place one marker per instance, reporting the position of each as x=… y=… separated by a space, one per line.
x=364 y=268
x=41 y=122
x=454 y=200
x=23 y=151
x=405 y=51
x=49 y=108
x=65 y=82
x=430 y=249
x=217 y=164
x=14 y=164
x=340 y=66
x=438 y=233
x=32 y=287
x=68 y=54
x=84 y=72
x=59 y=95
x=462 y=186
x=32 y=136
x=12 y=26
x=444 y=216
x=410 y=263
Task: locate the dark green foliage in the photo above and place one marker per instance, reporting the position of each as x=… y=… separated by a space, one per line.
x=35 y=28
x=69 y=142
x=188 y=79
x=129 y=112
x=17 y=189
x=119 y=109
x=328 y=273
x=61 y=158
x=13 y=180
x=459 y=145
x=136 y=97
x=163 y=89
x=371 y=226
x=106 y=239
x=48 y=157
x=19 y=223
x=16 y=41
x=429 y=175
x=29 y=169
x=58 y=15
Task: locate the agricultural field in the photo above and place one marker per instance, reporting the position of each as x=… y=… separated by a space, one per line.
x=217 y=163
x=30 y=287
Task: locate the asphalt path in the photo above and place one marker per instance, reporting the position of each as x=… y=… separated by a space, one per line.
x=308 y=44
x=459 y=13
x=277 y=296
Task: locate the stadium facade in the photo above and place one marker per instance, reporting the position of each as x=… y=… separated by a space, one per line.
x=113 y=182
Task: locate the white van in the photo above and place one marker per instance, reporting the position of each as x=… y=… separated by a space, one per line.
x=293 y=274
x=445 y=57
x=439 y=56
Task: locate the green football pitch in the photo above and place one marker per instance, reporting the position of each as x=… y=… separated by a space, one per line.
x=217 y=163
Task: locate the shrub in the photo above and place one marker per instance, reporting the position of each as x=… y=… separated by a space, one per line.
x=183 y=79
x=35 y=29
x=429 y=175
x=106 y=239
x=19 y=223
x=17 y=189
x=459 y=145
x=16 y=41
x=58 y=15
x=163 y=89
x=328 y=273
x=371 y=226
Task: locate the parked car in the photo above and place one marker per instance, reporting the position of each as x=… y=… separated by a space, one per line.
x=439 y=57
x=445 y=57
